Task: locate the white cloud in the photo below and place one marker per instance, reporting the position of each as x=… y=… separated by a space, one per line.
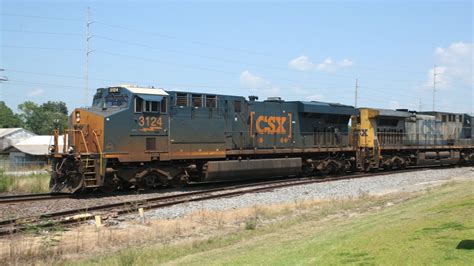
x=326 y=65
x=35 y=92
x=457 y=51
x=346 y=63
x=252 y=81
x=329 y=65
x=454 y=68
x=301 y=63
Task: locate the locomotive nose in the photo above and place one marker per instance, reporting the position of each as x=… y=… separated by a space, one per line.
x=86 y=131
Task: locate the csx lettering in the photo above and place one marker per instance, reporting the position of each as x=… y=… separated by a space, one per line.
x=270 y=124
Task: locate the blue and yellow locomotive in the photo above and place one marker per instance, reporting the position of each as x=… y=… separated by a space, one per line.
x=148 y=137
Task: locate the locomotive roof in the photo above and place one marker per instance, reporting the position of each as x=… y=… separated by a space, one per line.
x=144 y=90
x=323 y=107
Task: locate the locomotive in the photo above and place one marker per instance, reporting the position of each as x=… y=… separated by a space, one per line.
x=149 y=137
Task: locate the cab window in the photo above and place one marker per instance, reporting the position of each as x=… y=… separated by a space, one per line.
x=138 y=105
x=163 y=106
x=150 y=106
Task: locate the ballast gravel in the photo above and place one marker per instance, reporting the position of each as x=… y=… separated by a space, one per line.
x=380 y=185
x=343 y=189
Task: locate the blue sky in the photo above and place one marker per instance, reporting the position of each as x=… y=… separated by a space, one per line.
x=310 y=50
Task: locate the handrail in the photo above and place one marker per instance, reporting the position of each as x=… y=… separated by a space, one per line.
x=100 y=150
x=84 y=140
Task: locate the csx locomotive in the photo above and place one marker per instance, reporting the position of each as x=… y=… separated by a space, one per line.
x=148 y=137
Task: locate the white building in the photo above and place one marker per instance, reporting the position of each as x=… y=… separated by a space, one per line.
x=31 y=150
x=10 y=136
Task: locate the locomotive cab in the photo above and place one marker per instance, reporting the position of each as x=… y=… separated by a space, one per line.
x=118 y=121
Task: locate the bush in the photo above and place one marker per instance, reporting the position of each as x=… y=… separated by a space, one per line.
x=251 y=224
x=28 y=184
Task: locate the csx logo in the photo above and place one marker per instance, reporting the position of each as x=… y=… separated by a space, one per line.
x=270 y=124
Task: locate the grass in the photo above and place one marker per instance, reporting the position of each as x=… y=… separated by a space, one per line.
x=35 y=183
x=424 y=229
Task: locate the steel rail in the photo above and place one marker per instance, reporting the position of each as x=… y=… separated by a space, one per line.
x=82 y=214
x=32 y=197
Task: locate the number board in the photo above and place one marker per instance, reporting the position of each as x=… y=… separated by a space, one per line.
x=149 y=123
x=114 y=90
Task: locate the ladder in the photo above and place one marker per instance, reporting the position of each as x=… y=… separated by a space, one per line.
x=89 y=171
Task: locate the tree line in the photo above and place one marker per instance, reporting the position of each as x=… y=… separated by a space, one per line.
x=39 y=119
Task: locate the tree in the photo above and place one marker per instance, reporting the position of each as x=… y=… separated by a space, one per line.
x=8 y=118
x=45 y=118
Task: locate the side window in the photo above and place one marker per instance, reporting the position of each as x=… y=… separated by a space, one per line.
x=443 y=118
x=181 y=99
x=211 y=101
x=237 y=106
x=163 y=106
x=138 y=105
x=460 y=118
x=197 y=100
x=151 y=106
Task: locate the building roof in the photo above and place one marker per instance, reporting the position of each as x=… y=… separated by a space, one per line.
x=7 y=131
x=37 y=145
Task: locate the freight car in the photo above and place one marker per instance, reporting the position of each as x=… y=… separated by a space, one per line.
x=148 y=137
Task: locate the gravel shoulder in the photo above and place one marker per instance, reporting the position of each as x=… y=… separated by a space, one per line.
x=344 y=189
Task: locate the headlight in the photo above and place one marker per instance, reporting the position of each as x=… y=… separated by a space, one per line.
x=78 y=116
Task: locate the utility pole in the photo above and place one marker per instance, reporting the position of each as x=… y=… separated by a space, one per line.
x=88 y=51
x=2 y=79
x=356 y=92
x=434 y=86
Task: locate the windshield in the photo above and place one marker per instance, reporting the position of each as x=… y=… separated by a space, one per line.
x=111 y=100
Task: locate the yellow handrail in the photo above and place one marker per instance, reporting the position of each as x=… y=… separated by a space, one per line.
x=100 y=151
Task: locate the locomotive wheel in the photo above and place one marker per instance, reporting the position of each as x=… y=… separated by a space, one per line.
x=109 y=185
x=180 y=180
x=308 y=170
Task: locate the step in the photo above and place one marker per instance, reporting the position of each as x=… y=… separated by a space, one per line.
x=89 y=173
x=92 y=186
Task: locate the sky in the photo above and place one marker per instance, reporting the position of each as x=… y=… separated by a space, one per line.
x=297 y=50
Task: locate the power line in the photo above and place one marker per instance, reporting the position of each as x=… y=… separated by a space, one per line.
x=188 y=40
x=43 y=32
x=194 y=54
x=184 y=85
x=107 y=24
x=189 y=53
x=40 y=48
x=70 y=87
x=39 y=17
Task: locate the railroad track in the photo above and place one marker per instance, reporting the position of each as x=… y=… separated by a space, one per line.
x=31 y=197
x=76 y=216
